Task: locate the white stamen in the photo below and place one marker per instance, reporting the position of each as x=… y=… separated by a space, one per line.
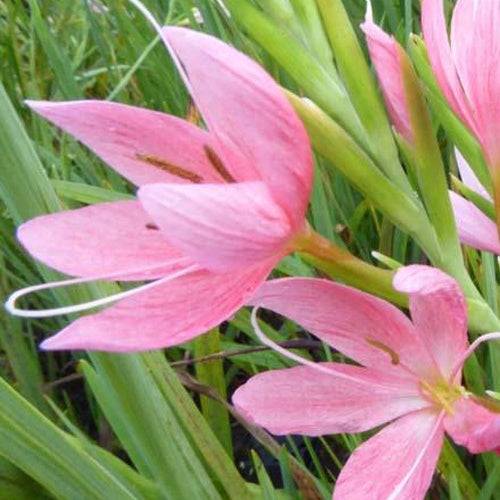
x=147 y=14
x=369 y=12
x=311 y=364
x=470 y=350
x=10 y=305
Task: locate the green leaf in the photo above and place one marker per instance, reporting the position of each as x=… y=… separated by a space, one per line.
x=22 y=359
x=144 y=425
x=450 y=464
x=44 y=452
x=490 y=487
x=24 y=186
x=211 y=373
x=207 y=447
x=308 y=17
x=268 y=492
x=58 y=61
x=16 y=485
x=85 y=193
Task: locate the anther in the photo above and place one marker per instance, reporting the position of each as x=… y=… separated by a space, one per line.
x=383 y=347
x=216 y=162
x=169 y=167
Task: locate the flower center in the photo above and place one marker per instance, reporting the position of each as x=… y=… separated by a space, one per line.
x=442 y=393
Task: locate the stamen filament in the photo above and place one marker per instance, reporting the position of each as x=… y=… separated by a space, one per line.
x=10 y=304
x=299 y=359
x=470 y=350
x=154 y=23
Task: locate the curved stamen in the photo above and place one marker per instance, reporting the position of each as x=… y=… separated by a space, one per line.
x=470 y=350
x=147 y=14
x=299 y=359
x=10 y=304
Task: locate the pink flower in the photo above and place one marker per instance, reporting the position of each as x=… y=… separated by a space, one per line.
x=385 y=53
x=408 y=376
x=474 y=227
x=466 y=66
x=217 y=208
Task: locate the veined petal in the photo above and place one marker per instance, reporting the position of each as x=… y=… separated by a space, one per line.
x=260 y=135
x=474 y=426
x=220 y=226
x=397 y=463
x=385 y=57
x=475 y=42
x=469 y=177
x=365 y=328
x=301 y=400
x=142 y=145
x=474 y=227
x=461 y=41
x=164 y=316
x=439 y=51
x=100 y=239
x=438 y=310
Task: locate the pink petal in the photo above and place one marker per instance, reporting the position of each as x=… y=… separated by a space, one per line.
x=301 y=400
x=221 y=226
x=385 y=57
x=438 y=310
x=461 y=41
x=100 y=239
x=474 y=227
x=474 y=426
x=167 y=315
x=396 y=463
x=469 y=177
x=475 y=42
x=260 y=135
x=439 y=51
x=133 y=140
x=365 y=328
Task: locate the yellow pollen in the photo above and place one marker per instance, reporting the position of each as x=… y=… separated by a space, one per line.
x=442 y=394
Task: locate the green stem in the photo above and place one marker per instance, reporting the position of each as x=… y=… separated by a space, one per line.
x=331 y=141
x=362 y=91
x=339 y=264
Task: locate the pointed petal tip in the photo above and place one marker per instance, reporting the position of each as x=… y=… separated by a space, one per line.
x=422 y=279
x=54 y=343
x=37 y=105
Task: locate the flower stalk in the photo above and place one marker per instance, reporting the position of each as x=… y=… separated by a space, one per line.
x=341 y=265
